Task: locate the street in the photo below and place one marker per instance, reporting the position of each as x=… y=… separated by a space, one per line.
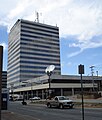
x=41 y=112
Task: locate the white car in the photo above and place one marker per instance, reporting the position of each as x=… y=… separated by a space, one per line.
x=35 y=98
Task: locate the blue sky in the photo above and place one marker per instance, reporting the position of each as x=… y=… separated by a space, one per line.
x=80 y=29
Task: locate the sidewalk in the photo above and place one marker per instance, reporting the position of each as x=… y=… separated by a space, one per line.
x=6 y=115
x=89 y=100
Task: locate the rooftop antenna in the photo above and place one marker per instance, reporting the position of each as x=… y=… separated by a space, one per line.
x=37 y=17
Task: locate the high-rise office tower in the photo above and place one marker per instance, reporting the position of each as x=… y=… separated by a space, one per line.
x=32 y=47
x=4 y=79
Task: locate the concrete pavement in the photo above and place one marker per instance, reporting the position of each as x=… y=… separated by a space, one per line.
x=7 y=115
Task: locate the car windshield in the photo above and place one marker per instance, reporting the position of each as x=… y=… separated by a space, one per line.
x=62 y=98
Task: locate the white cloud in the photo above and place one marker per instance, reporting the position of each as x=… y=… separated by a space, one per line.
x=75 y=53
x=69 y=64
x=89 y=43
x=82 y=19
x=64 y=64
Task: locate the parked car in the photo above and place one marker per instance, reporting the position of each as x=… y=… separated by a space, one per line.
x=60 y=101
x=35 y=98
x=15 y=97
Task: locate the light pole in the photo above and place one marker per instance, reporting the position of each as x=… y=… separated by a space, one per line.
x=49 y=71
x=49 y=74
x=12 y=91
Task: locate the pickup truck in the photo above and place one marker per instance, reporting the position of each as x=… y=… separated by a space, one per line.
x=60 y=101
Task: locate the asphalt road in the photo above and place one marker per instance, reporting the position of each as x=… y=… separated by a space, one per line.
x=41 y=112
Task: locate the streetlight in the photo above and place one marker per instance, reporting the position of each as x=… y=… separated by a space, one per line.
x=12 y=90
x=49 y=71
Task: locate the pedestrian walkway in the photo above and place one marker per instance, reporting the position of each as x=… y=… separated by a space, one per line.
x=89 y=100
x=7 y=115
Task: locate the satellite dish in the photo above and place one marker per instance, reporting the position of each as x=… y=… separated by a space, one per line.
x=50 y=68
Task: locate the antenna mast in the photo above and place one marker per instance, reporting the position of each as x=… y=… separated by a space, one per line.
x=37 y=17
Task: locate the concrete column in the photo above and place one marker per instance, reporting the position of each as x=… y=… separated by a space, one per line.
x=72 y=91
x=23 y=95
x=61 y=91
x=32 y=94
x=27 y=95
x=36 y=92
x=42 y=94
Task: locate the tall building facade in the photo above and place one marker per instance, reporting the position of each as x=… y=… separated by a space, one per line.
x=4 y=79
x=32 y=47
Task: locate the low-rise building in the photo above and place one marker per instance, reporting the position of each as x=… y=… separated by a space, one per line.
x=59 y=85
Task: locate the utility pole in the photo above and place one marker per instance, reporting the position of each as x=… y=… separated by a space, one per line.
x=92 y=71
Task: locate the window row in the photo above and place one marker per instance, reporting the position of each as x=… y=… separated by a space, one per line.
x=25 y=71
x=39 y=25
x=40 y=50
x=34 y=36
x=39 y=54
x=31 y=62
x=41 y=38
x=28 y=67
x=36 y=58
x=39 y=41
x=36 y=45
x=40 y=33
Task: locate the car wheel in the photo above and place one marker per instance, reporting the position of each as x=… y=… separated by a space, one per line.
x=48 y=105
x=61 y=106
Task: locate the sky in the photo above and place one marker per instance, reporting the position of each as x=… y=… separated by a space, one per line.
x=80 y=29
